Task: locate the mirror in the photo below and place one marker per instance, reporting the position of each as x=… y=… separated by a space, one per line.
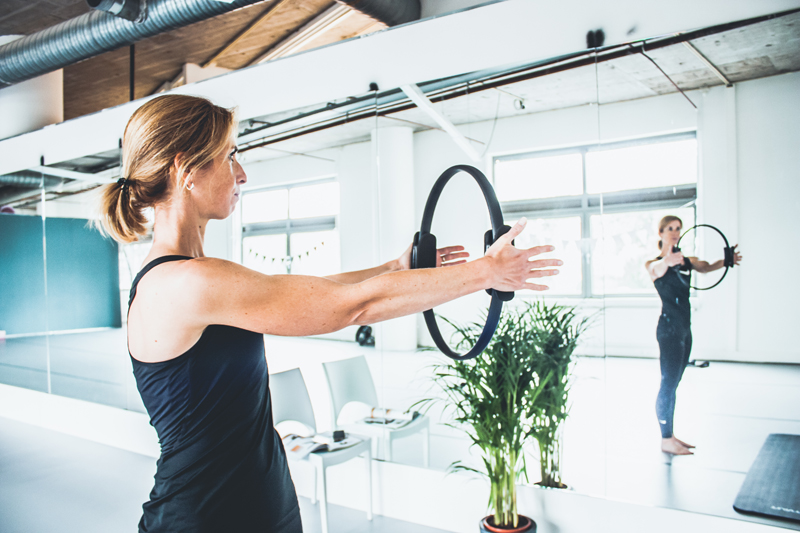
x=710 y=154
x=24 y=358
x=88 y=349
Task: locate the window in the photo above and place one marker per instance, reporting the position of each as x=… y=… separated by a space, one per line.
x=292 y=229
x=600 y=206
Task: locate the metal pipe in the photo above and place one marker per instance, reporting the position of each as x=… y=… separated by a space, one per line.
x=29 y=179
x=667 y=76
x=96 y=32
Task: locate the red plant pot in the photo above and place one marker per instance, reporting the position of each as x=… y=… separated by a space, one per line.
x=525 y=524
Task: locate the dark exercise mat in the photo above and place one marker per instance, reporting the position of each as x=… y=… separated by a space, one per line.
x=772 y=486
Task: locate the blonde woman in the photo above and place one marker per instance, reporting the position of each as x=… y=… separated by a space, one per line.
x=674 y=331
x=195 y=324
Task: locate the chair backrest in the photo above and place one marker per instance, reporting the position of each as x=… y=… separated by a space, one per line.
x=349 y=380
x=290 y=399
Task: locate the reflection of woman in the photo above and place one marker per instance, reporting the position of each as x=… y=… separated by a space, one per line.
x=195 y=323
x=674 y=332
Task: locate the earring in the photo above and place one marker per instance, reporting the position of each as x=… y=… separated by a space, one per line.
x=188 y=187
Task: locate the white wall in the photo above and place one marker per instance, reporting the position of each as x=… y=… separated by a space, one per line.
x=32 y=104
x=768 y=136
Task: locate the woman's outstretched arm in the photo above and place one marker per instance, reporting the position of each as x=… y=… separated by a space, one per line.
x=448 y=256
x=221 y=292
x=705 y=267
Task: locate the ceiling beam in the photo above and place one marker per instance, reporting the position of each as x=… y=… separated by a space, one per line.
x=711 y=66
x=416 y=95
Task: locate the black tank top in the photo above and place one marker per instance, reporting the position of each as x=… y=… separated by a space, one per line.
x=673 y=288
x=222 y=466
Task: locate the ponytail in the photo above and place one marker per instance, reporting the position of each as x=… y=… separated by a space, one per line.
x=121 y=216
x=157 y=133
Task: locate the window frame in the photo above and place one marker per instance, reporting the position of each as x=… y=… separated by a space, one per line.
x=586 y=205
x=289 y=225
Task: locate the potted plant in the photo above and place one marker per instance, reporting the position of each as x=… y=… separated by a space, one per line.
x=502 y=396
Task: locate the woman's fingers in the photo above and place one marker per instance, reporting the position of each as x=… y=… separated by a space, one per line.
x=541 y=263
x=450 y=255
x=536 y=250
x=514 y=232
x=453 y=263
x=449 y=249
x=535 y=287
x=453 y=255
x=542 y=273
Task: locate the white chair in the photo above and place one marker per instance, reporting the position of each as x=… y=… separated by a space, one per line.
x=290 y=402
x=349 y=380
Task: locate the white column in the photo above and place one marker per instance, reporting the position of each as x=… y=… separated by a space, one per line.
x=393 y=221
x=32 y=104
x=715 y=319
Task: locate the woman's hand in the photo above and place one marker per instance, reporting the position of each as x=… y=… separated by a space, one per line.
x=512 y=267
x=447 y=256
x=737 y=257
x=673 y=259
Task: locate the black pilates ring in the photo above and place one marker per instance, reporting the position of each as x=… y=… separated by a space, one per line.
x=727 y=261
x=423 y=255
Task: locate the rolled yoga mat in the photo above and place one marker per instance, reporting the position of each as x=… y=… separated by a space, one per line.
x=772 y=486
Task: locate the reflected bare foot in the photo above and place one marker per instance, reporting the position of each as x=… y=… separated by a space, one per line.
x=673 y=446
x=683 y=443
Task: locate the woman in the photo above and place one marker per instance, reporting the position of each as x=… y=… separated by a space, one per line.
x=195 y=324
x=674 y=332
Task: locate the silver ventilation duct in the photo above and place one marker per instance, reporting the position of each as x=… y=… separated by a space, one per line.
x=97 y=32
x=24 y=185
x=29 y=179
x=133 y=10
x=390 y=12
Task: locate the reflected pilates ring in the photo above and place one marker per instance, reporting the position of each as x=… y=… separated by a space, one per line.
x=728 y=261
x=423 y=255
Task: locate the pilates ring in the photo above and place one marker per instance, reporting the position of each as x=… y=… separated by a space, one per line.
x=728 y=261
x=423 y=255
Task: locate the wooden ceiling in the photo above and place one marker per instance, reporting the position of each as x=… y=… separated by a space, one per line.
x=233 y=40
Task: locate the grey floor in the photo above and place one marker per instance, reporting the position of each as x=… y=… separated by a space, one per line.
x=51 y=482
x=611 y=438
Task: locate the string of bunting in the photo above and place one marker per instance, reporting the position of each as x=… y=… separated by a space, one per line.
x=287 y=258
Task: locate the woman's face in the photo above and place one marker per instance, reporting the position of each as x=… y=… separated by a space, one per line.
x=216 y=186
x=671 y=233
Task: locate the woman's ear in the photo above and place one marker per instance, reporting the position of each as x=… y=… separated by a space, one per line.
x=182 y=172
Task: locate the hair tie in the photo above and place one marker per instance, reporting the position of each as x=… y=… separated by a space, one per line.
x=122 y=182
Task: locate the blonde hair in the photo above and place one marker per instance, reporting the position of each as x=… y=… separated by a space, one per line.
x=158 y=132
x=664 y=223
